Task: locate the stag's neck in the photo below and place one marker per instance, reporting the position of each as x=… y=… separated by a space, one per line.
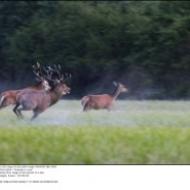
x=37 y=86
x=54 y=96
x=116 y=93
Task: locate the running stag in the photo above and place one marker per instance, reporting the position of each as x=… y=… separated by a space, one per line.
x=39 y=101
x=8 y=97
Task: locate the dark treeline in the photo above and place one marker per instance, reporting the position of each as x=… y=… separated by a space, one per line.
x=143 y=44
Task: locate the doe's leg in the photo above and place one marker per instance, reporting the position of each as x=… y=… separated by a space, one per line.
x=86 y=108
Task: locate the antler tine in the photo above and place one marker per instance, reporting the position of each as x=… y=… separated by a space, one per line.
x=34 y=69
x=57 y=69
x=67 y=76
x=54 y=74
x=38 y=77
x=47 y=72
x=38 y=65
x=40 y=68
x=49 y=68
x=60 y=73
x=62 y=77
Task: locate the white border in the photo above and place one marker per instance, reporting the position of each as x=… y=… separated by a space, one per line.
x=112 y=178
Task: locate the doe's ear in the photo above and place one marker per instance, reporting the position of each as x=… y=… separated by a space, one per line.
x=114 y=83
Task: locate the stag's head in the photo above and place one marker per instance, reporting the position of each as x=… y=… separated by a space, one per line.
x=63 y=88
x=40 y=76
x=57 y=80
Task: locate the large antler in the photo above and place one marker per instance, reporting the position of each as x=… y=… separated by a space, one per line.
x=62 y=77
x=38 y=72
x=54 y=74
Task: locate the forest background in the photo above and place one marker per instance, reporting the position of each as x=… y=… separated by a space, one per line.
x=144 y=44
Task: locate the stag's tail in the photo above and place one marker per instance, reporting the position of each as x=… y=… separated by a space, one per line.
x=84 y=100
x=2 y=99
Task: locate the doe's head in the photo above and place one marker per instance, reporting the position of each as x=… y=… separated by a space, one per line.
x=121 y=86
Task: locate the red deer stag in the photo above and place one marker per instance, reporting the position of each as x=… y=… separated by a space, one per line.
x=9 y=97
x=39 y=101
x=102 y=101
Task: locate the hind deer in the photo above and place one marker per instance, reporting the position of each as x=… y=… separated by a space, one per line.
x=102 y=101
x=8 y=97
x=39 y=101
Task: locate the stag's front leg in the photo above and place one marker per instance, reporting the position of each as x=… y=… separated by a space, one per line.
x=36 y=113
x=34 y=116
x=17 y=111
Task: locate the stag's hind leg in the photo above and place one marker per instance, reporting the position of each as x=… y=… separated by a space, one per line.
x=3 y=102
x=15 y=110
x=6 y=101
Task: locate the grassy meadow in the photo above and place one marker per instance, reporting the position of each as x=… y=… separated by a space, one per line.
x=135 y=132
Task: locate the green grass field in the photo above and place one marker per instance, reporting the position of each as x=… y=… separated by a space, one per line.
x=135 y=132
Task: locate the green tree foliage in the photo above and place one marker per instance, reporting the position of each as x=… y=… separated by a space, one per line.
x=142 y=43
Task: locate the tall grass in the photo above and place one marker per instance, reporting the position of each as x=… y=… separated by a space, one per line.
x=147 y=132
